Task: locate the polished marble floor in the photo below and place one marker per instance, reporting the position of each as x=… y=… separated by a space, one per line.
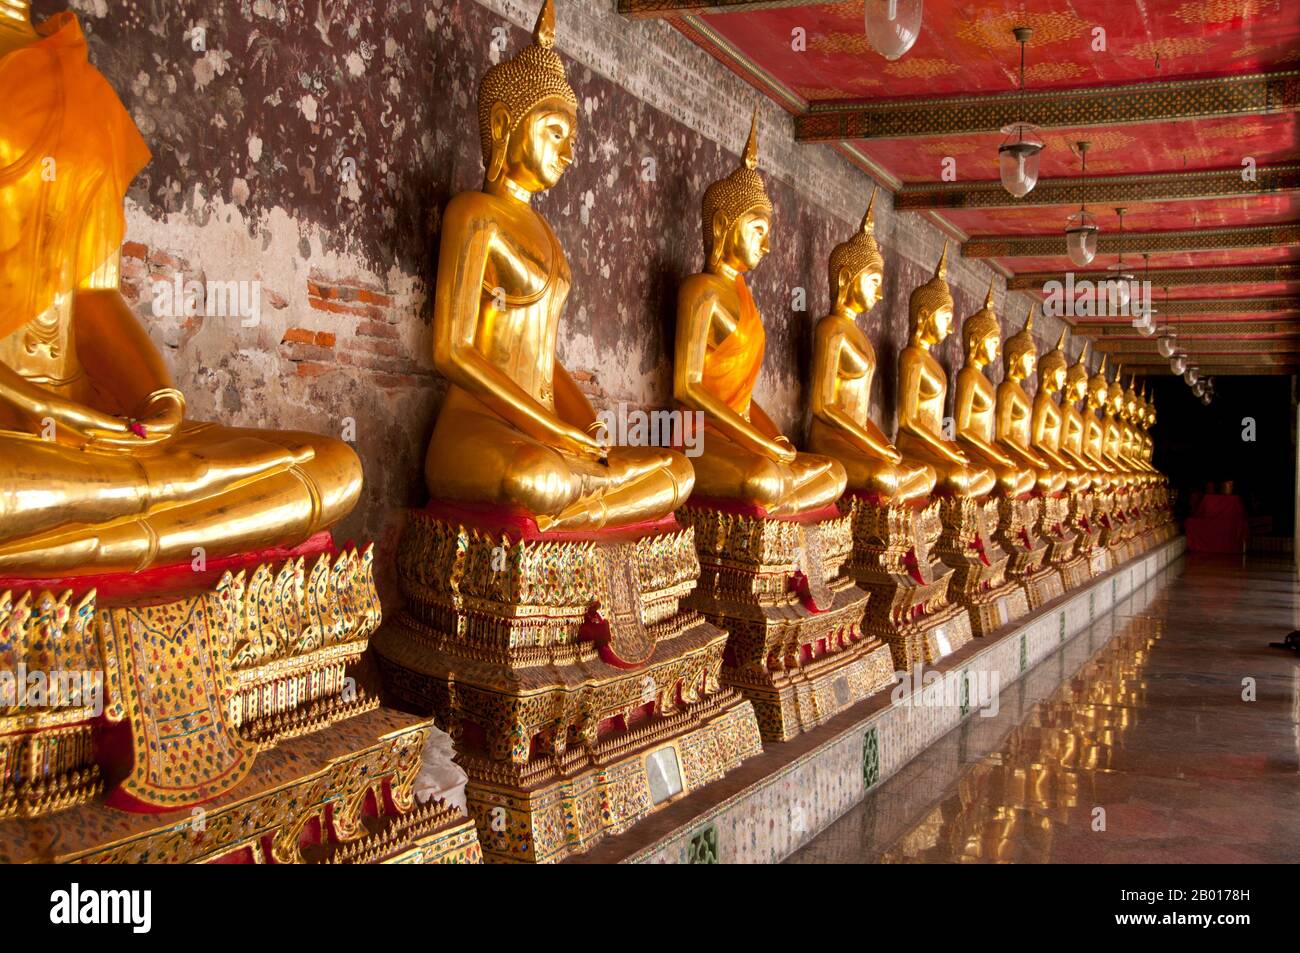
x=1132 y=744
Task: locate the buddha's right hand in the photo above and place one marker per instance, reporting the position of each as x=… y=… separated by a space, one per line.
x=784 y=449
x=84 y=426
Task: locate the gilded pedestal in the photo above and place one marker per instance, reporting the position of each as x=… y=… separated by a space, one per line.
x=1018 y=534
x=893 y=561
x=182 y=714
x=795 y=646
x=979 y=579
x=582 y=696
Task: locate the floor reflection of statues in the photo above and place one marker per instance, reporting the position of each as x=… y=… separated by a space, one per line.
x=772 y=543
x=543 y=580
x=888 y=498
x=180 y=550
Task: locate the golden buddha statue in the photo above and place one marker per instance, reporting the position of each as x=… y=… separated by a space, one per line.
x=922 y=389
x=1132 y=441
x=514 y=431
x=1074 y=429
x=1113 y=430
x=102 y=470
x=844 y=366
x=719 y=353
x=1047 y=430
x=1095 y=431
x=976 y=404
x=1014 y=410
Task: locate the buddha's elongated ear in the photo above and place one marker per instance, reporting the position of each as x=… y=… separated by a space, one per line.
x=499 y=125
x=719 y=231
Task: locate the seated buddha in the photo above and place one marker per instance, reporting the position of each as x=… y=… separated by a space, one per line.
x=1074 y=429
x=844 y=366
x=514 y=431
x=976 y=403
x=1095 y=431
x=1132 y=440
x=100 y=469
x=1047 y=429
x=719 y=354
x=922 y=389
x=1112 y=437
x=1014 y=410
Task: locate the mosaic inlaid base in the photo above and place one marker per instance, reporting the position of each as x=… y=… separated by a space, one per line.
x=979 y=580
x=337 y=796
x=894 y=563
x=565 y=817
x=795 y=645
x=558 y=663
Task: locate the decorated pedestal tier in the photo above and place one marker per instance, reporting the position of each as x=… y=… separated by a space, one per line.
x=1018 y=534
x=131 y=699
x=893 y=562
x=979 y=579
x=796 y=647
x=581 y=694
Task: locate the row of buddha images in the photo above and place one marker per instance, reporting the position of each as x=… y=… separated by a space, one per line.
x=514 y=431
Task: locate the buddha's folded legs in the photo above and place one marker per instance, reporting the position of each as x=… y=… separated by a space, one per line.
x=896 y=482
x=728 y=471
x=955 y=479
x=477 y=457
x=224 y=490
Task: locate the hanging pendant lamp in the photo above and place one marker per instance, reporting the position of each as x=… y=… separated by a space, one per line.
x=1081 y=229
x=1018 y=154
x=893 y=25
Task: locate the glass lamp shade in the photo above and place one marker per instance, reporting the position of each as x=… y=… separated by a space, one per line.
x=1199 y=388
x=893 y=25
x=1167 y=345
x=1018 y=159
x=1191 y=375
x=1081 y=239
x=1206 y=398
x=1123 y=288
x=1178 y=364
x=1145 y=325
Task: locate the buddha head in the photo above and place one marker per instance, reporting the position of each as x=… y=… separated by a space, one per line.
x=528 y=113
x=1052 y=369
x=1098 y=387
x=981 y=334
x=1150 y=406
x=1021 y=353
x=1131 y=399
x=857 y=269
x=930 y=306
x=1115 y=393
x=1076 y=378
x=737 y=214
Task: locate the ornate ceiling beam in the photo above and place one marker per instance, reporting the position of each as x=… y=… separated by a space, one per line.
x=1172 y=277
x=1245 y=95
x=1204 y=239
x=1161 y=369
x=661 y=9
x=1101 y=190
x=1198 y=330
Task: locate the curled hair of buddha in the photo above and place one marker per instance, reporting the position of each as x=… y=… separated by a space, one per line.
x=860 y=253
x=1116 y=389
x=1054 y=360
x=934 y=294
x=1020 y=343
x=535 y=73
x=740 y=192
x=980 y=325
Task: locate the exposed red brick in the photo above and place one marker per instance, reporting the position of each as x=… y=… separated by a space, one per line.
x=298 y=336
x=313 y=369
x=374 y=297
x=306 y=352
x=379 y=346
x=325 y=338
x=377 y=329
x=160 y=259
x=135 y=250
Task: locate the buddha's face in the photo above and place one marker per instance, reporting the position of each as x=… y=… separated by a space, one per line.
x=1080 y=389
x=986 y=351
x=747 y=241
x=865 y=290
x=541 y=147
x=1024 y=365
x=941 y=323
x=1055 y=380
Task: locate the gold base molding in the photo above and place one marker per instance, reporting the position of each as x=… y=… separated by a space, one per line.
x=893 y=561
x=558 y=666
x=979 y=580
x=795 y=645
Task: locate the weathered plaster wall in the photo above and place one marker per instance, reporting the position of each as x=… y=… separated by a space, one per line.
x=312 y=145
